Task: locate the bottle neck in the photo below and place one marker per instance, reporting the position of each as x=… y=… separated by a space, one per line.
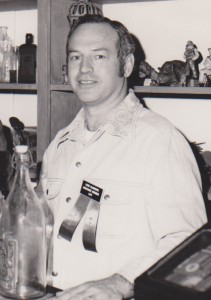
x=29 y=39
x=22 y=164
x=21 y=183
x=23 y=159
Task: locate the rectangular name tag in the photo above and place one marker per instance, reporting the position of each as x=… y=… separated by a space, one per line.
x=91 y=191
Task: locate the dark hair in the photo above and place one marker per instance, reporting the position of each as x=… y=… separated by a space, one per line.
x=125 y=44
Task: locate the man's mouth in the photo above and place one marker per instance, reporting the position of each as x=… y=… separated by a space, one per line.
x=87 y=83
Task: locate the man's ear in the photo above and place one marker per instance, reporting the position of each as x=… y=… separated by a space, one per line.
x=129 y=64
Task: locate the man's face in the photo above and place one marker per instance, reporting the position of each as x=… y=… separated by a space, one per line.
x=93 y=65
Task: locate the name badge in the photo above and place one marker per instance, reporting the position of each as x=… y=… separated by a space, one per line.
x=87 y=205
x=91 y=191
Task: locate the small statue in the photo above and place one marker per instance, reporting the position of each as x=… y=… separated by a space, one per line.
x=146 y=71
x=171 y=73
x=191 y=54
x=64 y=74
x=205 y=72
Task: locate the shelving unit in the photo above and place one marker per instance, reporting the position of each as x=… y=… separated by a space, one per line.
x=154 y=90
x=18 y=87
x=176 y=91
x=57 y=105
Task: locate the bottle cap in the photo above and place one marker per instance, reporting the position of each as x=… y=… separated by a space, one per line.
x=29 y=38
x=21 y=148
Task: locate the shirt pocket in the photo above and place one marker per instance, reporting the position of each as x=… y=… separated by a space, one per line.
x=53 y=188
x=115 y=210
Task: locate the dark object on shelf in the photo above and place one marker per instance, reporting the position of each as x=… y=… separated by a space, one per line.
x=183 y=274
x=171 y=73
x=6 y=170
x=146 y=71
x=80 y=8
x=207 y=80
x=18 y=127
x=27 y=61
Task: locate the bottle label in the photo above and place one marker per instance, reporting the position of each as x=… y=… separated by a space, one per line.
x=8 y=264
x=28 y=64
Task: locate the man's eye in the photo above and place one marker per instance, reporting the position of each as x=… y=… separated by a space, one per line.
x=74 y=57
x=100 y=56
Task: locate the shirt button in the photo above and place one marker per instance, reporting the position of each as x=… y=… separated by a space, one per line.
x=54 y=273
x=68 y=199
x=78 y=164
x=107 y=197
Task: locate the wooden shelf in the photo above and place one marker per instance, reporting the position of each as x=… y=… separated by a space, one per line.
x=155 y=90
x=162 y=90
x=121 y=1
x=169 y=90
x=61 y=87
x=18 y=87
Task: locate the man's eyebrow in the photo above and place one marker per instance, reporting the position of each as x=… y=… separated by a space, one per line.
x=71 y=50
x=97 y=49
x=100 y=49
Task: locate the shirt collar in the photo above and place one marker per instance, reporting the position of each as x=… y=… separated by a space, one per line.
x=118 y=122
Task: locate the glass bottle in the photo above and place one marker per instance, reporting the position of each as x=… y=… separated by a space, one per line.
x=7 y=53
x=1 y=52
x=22 y=236
x=27 y=61
x=6 y=66
x=14 y=64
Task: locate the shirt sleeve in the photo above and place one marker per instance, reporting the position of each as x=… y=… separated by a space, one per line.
x=175 y=205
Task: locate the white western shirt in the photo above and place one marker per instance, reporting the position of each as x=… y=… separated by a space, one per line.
x=151 y=193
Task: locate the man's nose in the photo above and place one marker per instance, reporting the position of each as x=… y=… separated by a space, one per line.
x=86 y=65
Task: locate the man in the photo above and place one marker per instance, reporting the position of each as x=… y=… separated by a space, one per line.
x=121 y=181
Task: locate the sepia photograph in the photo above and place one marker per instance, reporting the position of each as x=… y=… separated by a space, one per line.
x=105 y=149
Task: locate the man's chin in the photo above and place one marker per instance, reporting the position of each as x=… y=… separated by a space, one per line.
x=87 y=97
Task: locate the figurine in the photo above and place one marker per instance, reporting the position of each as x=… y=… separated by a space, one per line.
x=191 y=54
x=205 y=72
x=64 y=74
x=146 y=71
x=171 y=73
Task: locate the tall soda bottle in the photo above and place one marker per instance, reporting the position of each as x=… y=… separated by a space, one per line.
x=22 y=236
